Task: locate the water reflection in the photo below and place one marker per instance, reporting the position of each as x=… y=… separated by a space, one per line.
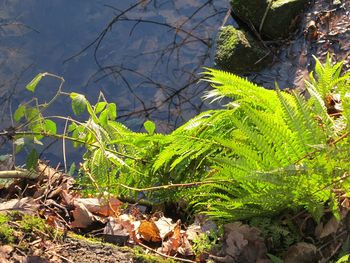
x=143 y=55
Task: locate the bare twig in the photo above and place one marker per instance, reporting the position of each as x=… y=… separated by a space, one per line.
x=166 y=256
x=18 y=174
x=194 y=184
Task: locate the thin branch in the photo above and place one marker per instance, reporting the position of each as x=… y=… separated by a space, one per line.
x=166 y=256
x=18 y=174
x=160 y=187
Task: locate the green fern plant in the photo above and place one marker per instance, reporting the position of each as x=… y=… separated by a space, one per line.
x=265 y=151
x=281 y=151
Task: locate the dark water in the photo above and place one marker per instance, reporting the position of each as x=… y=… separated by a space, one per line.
x=143 y=55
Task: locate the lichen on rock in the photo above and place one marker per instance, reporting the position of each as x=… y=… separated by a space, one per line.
x=238 y=52
x=275 y=18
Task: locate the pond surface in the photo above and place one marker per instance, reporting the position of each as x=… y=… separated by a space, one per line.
x=143 y=55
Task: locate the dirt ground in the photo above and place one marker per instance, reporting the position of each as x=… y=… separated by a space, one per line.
x=73 y=250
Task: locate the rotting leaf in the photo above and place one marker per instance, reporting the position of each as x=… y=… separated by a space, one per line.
x=5 y=252
x=128 y=223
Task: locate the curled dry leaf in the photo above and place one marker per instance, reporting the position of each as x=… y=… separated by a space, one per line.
x=165 y=227
x=185 y=248
x=149 y=231
x=82 y=216
x=130 y=227
x=101 y=207
x=171 y=246
x=177 y=243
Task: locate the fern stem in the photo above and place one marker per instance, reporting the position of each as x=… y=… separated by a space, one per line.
x=160 y=187
x=60 y=136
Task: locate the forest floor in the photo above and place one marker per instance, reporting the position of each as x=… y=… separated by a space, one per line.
x=325 y=27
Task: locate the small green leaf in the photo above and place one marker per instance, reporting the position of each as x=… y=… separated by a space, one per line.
x=50 y=126
x=79 y=134
x=36 y=141
x=32 y=159
x=100 y=106
x=72 y=169
x=19 y=113
x=112 y=111
x=71 y=127
x=33 y=114
x=32 y=85
x=5 y=157
x=37 y=127
x=150 y=127
x=344 y=259
x=275 y=259
x=103 y=117
x=78 y=103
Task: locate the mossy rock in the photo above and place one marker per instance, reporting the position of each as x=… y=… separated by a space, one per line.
x=238 y=52
x=279 y=19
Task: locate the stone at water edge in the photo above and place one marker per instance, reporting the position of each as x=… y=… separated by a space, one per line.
x=238 y=52
x=279 y=18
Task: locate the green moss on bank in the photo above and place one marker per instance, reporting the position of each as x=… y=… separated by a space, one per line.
x=238 y=52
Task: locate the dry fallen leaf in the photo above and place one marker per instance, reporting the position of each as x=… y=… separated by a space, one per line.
x=171 y=246
x=165 y=227
x=114 y=232
x=102 y=207
x=329 y=228
x=185 y=248
x=26 y=205
x=301 y=253
x=149 y=231
x=82 y=216
x=244 y=243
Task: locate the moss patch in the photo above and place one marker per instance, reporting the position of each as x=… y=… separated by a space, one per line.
x=238 y=52
x=6 y=232
x=279 y=17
